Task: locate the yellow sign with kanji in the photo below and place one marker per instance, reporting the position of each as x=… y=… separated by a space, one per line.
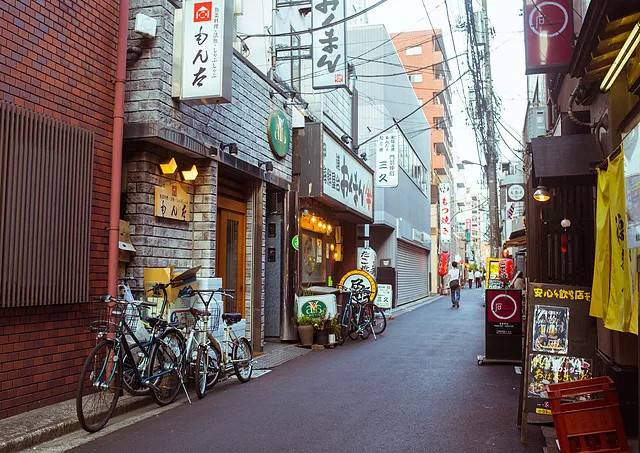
x=172 y=202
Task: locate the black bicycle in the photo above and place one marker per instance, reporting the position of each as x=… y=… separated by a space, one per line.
x=113 y=366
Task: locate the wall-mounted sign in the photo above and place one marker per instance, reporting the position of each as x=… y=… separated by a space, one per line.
x=444 y=191
x=515 y=192
x=329 y=47
x=387 y=160
x=295 y=242
x=359 y=279
x=279 y=133
x=172 y=202
x=366 y=260
x=345 y=179
x=203 y=34
x=548 y=35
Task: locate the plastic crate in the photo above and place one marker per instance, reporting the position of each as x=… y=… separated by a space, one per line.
x=587 y=417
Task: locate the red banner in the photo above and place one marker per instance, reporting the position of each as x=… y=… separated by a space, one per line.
x=443 y=264
x=548 y=38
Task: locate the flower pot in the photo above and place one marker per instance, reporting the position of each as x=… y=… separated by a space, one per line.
x=322 y=337
x=306 y=335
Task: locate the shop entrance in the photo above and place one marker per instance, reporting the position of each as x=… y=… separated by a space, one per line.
x=231 y=250
x=273 y=285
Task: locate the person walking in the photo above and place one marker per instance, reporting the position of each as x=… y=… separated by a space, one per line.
x=454 y=285
x=478 y=276
x=470 y=277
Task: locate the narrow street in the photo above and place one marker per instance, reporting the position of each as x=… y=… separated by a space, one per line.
x=418 y=388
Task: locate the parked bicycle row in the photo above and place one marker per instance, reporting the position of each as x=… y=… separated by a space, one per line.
x=145 y=354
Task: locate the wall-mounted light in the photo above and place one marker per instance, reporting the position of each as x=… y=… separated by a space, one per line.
x=191 y=174
x=628 y=48
x=169 y=168
x=231 y=147
x=268 y=166
x=541 y=194
x=213 y=151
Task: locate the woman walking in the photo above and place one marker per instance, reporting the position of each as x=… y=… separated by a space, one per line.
x=454 y=285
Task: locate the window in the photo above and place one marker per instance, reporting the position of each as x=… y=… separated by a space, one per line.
x=438 y=123
x=420 y=101
x=436 y=99
x=415 y=78
x=415 y=50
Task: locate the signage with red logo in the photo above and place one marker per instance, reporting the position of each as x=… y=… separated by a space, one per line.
x=548 y=29
x=443 y=265
x=503 y=307
x=202 y=11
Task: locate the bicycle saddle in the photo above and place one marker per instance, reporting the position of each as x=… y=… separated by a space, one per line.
x=231 y=318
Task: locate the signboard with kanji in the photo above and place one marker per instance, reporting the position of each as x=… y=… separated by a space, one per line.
x=387 y=160
x=172 y=202
x=444 y=191
x=560 y=342
x=329 y=45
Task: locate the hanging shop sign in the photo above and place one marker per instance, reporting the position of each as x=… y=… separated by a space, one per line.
x=279 y=133
x=560 y=341
x=387 y=160
x=384 y=299
x=515 y=193
x=443 y=264
x=359 y=279
x=366 y=260
x=345 y=179
x=548 y=35
x=444 y=191
x=172 y=202
x=503 y=325
x=204 y=34
x=329 y=45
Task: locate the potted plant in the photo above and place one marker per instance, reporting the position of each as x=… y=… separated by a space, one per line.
x=305 y=330
x=322 y=333
x=334 y=330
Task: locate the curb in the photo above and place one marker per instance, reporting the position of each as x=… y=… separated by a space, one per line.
x=413 y=306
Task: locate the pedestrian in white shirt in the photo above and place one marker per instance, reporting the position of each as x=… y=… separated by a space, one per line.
x=478 y=276
x=454 y=285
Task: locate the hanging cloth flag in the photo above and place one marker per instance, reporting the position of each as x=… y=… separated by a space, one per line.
x=618 y=309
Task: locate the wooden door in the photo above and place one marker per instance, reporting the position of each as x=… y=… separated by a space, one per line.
x=231 y=252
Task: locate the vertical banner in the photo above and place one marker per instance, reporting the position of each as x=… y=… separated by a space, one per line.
x=445 y=212
x=205 y=72
x=548 y=29
x=367 y=259
x=329 y=45
x=387 y=160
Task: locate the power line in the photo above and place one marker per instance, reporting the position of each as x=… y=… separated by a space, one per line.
x=412 y=70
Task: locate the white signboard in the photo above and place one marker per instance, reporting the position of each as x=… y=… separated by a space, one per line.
x=366 y=260
x=387 y=160
x=515 y=192
x=345 y=179
x=384 y=299
x=205 y=72
x=329 y=48
x=444 y=191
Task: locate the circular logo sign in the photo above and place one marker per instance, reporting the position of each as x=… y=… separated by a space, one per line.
x=548 y=19
x=360 y=279
x=503 y=307
x=295 y=242
x=314 y=309
x=515 y=192
x=279 y=133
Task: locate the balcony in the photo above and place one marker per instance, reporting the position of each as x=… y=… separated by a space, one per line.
x=442 y=149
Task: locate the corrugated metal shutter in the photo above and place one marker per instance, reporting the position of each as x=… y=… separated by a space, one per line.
x=412 y=267
x=45 y=207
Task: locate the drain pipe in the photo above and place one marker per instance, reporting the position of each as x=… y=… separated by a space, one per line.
x=116 y=149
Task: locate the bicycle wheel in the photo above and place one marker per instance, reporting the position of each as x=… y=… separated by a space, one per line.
x=379 y=320
x=214 y=366
x=201 y=370
x=165 y=367
x=98 y=387
x=130 y=381
x=242 y=357
x=344 y=326
x=354 y=325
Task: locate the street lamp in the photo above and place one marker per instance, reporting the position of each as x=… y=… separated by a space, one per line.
x=468 y=162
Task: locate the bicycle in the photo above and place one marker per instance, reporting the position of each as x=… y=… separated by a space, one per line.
x=236 y=351
x=360 y=317
x=103 y=377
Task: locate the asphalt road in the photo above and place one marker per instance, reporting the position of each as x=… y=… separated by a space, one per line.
x=417 y=389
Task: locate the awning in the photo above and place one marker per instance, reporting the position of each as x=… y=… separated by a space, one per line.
x=569 y=155
x=517 y=238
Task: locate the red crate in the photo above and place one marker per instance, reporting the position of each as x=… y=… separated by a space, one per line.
x=587 y=417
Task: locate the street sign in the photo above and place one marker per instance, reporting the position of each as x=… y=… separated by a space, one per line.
x=503 y=325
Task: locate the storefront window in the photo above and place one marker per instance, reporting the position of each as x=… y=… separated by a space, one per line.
x=313 y=259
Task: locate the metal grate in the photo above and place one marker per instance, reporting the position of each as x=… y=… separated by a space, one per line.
x=45 y=206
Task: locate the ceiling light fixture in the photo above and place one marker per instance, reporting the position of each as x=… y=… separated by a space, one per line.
x=627 y=50
x=542 y=194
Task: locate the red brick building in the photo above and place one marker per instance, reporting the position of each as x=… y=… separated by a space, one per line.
x=57 y=67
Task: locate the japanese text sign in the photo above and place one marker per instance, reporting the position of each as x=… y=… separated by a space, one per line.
x=345 y=179
x=172 y=202
x=367 y=259
x=387 y=160
x=205 y=73
x=548 y=35
x=329 y=48
x=444 y=191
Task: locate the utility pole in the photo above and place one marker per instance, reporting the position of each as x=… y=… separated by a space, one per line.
x=491 y=155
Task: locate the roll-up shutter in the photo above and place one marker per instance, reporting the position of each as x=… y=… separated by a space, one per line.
x=412 y=267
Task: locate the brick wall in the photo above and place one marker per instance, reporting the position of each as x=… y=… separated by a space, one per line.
x=58 y=58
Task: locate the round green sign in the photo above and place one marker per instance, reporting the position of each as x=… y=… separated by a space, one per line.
x=279 y=133
x=314 y=309
x=295 y=242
